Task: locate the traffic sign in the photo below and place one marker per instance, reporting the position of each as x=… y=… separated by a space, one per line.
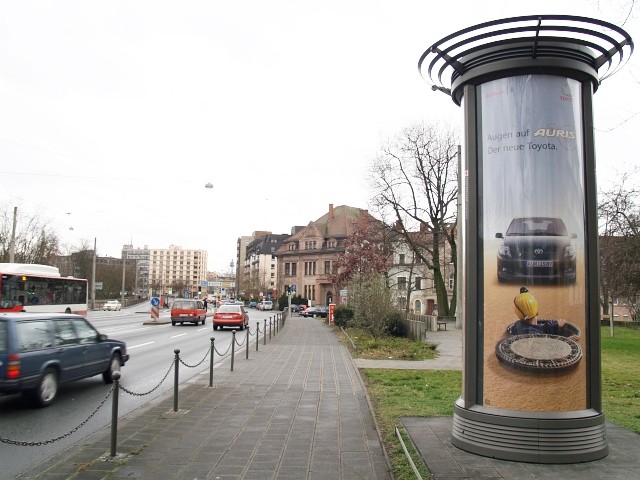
x=293 y=287
x=155 y=301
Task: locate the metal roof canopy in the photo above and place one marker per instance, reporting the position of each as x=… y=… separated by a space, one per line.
x=578 y=47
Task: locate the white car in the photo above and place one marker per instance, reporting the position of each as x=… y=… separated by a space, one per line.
x=113 y=305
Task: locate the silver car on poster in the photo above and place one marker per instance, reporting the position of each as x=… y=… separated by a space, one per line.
x=536 y=250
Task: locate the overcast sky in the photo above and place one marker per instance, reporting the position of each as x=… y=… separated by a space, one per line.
x=115 y=114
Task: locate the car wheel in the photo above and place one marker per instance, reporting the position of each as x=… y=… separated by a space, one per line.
x=241 y=327
x=114 y=366
x=173 y=323
x=47 y=388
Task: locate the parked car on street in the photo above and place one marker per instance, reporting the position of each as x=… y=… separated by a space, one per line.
x=39 y=351
x=265 y=305
x=112 y=305
x=253 y=304
x=311 y=312
x=188 y=310
x=537 y=249
x=231 y=316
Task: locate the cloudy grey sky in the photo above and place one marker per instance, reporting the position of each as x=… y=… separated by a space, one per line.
x=114 y=115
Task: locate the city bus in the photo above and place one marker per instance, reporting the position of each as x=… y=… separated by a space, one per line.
x=40 y=288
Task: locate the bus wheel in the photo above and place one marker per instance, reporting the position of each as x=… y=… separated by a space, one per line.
x=68 y=310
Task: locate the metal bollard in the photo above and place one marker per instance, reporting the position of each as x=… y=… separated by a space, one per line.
x=269 y=328
x=175 y=380
x=257 y=335
x=247 y=342
x=265 y=332
x=277 y=318
x=213 y=349
x=233 y=347
x=114 y=413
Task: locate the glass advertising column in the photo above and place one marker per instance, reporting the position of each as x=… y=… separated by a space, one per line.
x=531 y=348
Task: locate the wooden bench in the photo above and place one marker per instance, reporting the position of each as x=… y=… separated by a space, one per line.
x=442 y=324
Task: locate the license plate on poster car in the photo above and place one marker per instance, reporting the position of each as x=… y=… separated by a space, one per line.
x=540 y=263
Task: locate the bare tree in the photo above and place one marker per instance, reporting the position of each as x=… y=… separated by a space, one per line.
x=35 y=242
x=619 y=215
x=414 y=177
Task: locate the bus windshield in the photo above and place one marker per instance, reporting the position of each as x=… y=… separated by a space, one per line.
x=40 y=288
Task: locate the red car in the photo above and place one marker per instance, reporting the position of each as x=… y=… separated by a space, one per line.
x=231 y=315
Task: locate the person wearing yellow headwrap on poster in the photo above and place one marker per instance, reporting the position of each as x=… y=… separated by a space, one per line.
x=526 y=307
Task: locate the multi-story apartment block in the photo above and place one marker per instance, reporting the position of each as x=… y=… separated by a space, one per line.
x=412 y=280
x=260 y=268
x=177 y=272
x=306 y=258
x=141 y=256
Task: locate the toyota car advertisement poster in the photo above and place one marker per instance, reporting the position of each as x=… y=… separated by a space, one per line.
x=532 y=231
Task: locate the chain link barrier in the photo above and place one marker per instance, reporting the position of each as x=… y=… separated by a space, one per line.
x=199 y=363
x=257 y=332
x=225 y=353
x=59 y=437
x=124 y=389
x=238 y=343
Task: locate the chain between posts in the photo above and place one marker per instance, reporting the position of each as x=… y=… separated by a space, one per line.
x=197 y=364
x=59 y=437
x=124 y=389
x=226 y=351
x=174 y=364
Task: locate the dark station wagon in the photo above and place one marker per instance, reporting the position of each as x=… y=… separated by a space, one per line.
x=39 y=351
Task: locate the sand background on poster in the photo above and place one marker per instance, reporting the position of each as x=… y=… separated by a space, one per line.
x=507 y=388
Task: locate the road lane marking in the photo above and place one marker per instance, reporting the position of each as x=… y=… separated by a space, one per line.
x=141 y=345
x=115 y=330
x=180 y=335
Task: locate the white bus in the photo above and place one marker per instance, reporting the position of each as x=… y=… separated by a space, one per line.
x=40 y=288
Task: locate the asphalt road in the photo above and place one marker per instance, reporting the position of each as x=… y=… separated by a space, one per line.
x=151 y=349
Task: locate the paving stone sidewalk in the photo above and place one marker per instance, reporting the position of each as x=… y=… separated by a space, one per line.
x=296 y=409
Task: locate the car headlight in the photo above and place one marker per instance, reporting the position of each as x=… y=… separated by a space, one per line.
x=504 y=251
x=570 y=251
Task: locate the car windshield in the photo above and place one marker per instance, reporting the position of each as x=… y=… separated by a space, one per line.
x=111 y=302
x=229 y=309
x=184 y=305
x=537 y=226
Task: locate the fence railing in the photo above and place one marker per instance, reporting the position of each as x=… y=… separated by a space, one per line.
x=271 y=327
x=415 y=325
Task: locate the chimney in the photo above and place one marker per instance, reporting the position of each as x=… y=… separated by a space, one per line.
x=330 y=210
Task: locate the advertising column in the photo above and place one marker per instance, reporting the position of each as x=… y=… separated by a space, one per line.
x=533 y=221
x=530 y=292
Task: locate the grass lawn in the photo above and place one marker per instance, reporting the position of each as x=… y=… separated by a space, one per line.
x=427 y=393
x=621 y=376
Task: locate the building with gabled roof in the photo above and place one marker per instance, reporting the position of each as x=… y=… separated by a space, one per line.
x=306 y=259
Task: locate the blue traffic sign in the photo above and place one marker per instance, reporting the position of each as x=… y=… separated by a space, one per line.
x=293 y=287
x=155 y=301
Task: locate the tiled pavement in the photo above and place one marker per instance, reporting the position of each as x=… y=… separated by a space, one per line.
x=297 y=409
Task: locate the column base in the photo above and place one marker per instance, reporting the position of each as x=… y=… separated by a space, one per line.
x=531 y=437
